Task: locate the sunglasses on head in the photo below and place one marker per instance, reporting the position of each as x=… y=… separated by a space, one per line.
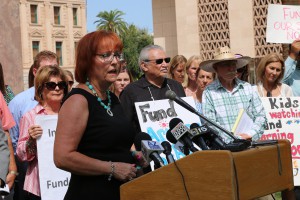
x=52 y=85
x=160 y=60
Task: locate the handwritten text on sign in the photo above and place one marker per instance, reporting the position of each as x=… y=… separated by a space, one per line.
x=154 y=118
x=283 y=117
x=283 y=23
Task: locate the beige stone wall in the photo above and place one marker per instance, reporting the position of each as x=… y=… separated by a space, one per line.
x=175 y=26
x=10 y=44
x=164 y=25
x=187 y=28
x=241 y=27
x=21 y=32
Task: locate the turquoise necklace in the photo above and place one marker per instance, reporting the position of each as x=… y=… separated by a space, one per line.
x=106 y=107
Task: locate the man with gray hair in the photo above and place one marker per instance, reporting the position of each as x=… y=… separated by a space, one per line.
x=152 y=85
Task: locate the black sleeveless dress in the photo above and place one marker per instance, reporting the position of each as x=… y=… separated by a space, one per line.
x=105 y=138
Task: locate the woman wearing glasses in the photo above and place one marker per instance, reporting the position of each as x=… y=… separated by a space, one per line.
x=269 y=73
x=50 y=88
x=93 y=141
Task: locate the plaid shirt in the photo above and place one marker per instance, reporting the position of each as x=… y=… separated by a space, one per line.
x=223 y=106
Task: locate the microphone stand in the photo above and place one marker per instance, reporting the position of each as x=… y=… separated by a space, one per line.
x=236 y=145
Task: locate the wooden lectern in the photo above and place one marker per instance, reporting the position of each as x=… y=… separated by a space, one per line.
x=220 y=175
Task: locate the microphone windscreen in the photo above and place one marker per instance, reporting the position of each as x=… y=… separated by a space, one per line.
x=194 y=125
x=138 y=139
x=170 y=137
x=167 y=146
x=170 y=94
x=173 y=122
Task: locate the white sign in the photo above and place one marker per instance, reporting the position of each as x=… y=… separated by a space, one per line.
x=53 y=181
x=283 y=23
x=283 y=115
x=154 y=118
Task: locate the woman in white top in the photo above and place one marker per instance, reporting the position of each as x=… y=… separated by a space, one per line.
x=269 y=73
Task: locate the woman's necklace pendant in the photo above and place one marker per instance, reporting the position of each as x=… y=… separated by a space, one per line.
x=109 y=112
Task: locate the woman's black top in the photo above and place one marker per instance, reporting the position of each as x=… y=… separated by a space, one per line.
x=105 y=138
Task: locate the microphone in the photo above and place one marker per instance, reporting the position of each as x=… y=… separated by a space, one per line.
x=167 y=151
x=213 y=136
x=197 y=137
x=172 y=96
x=138 y=140
x=179 y=132
x=151 y=150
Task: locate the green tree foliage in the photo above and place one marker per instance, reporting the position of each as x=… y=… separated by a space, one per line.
x=134 y=39
x=111 y=21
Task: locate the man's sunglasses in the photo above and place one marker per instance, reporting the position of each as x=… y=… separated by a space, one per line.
x=52 y=85
x=160 y=60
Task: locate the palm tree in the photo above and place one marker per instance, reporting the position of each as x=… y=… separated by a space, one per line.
x=111 y=21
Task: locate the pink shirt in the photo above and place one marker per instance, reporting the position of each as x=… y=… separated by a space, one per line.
x=5 y=115
x=32 y=182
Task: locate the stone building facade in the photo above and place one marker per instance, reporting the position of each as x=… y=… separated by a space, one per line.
x=198 y=27
x=36 y=25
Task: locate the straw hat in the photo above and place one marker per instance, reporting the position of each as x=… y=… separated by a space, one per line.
x=224 y=54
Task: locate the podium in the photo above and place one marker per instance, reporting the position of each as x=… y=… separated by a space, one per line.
x=219 y=174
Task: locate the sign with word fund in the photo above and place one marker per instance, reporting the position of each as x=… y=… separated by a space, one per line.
x=283 y=122
x=53 y=181
x=283 y=23
x=154 y=118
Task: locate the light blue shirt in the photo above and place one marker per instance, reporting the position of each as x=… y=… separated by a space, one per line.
x=222 y=106
x=292 y=75
x=18 y=106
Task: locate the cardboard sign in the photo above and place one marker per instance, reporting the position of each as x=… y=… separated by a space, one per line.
x=154 y=118
x=283 y=115
x=283 y=23
x=53 y=181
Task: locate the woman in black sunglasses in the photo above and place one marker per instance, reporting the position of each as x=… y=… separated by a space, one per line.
x=50 y=88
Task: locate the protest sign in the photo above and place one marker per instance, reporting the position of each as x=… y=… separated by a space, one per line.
x=283 y=117
x=53 y=181
x=283 y=23
x=154 y=118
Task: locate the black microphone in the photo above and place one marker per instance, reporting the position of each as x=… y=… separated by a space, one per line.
x=197 y=137
x=151 y=150
x=180 y=133
x=167 y=151
x=172 y=96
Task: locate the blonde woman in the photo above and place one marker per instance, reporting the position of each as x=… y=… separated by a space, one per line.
x=269 y=73
x=50 y=88
x=190 y=84
x=176 y=70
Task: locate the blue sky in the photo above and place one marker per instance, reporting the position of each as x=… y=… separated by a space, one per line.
x=137 y=12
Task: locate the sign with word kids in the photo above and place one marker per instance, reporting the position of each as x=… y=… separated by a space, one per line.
x=154 y=118
x=283 y=115
x=53 y=181
x=283 y=23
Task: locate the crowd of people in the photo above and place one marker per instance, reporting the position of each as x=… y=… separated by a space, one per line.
x=97 y=119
